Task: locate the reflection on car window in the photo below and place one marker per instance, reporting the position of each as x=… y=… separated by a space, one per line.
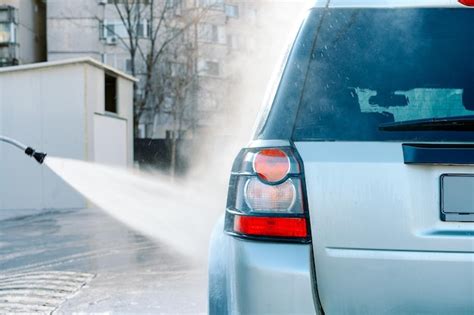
x=422 y=104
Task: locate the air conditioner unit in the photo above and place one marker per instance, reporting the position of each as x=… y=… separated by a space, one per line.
x=102 y=2
x=112 y=40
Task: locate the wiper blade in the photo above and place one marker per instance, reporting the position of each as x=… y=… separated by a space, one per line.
x=460 y=123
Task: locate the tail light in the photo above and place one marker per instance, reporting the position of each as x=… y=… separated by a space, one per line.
x=469 y=3
x=266 y=196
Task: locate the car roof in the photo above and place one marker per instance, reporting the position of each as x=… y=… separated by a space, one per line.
x=389 y=4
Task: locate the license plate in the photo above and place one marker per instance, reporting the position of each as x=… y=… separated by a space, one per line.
x=457 y=197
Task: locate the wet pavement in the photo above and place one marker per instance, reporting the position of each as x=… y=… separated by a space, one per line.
x=83 y=261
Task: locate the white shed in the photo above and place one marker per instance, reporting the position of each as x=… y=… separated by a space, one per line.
x=76 y=108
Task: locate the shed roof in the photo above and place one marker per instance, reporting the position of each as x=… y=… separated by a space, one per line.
x=65 y=62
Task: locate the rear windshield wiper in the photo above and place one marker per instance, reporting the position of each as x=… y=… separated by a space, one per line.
x=460 y=123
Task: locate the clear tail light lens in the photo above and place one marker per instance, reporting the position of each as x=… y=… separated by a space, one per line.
x=254 y=196
x=261 y=197
x=266 y=196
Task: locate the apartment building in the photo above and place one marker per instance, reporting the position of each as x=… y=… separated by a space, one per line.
x=206 y=48
x=220 y=43
x=22 y=32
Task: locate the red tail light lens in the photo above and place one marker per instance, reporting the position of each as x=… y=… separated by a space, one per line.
x=271 y=165
x=263 y=226
x=469 y=3
x=266 y=196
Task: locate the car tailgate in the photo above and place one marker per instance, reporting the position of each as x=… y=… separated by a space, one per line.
x=380 y=244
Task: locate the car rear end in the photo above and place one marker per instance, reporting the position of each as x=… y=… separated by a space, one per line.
x=356 y=194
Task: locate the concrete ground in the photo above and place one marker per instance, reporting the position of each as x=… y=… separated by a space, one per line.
x=83 y=261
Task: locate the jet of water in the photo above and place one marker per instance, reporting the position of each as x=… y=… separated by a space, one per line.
x=180 y=214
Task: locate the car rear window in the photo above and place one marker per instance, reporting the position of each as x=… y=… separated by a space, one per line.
x=369 y=67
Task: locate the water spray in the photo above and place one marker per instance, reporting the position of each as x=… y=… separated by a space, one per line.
x=38 y=156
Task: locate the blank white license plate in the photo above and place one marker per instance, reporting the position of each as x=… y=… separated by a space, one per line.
x=457 y=197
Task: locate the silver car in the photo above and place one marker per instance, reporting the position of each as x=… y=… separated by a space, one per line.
x=356 y=194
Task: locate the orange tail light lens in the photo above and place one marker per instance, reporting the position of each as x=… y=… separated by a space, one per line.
x=469 y=3
x=271 y=165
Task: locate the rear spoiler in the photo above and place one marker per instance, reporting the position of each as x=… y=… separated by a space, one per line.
x=438 y=154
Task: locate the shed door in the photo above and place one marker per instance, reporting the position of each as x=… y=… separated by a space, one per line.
x=110 y=140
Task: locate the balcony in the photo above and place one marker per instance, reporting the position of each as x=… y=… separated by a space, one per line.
x=9 y=55
x=8 y=36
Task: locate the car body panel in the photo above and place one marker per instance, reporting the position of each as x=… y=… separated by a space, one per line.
x=252 y=277
x=382 y=248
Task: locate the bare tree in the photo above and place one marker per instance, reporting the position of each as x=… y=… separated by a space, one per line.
x=165 y=27
x=165 y=60
x=181 y=110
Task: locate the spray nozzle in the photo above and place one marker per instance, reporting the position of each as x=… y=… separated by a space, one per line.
x=38 y=156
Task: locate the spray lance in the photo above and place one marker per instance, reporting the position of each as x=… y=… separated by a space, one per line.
x=38 y=156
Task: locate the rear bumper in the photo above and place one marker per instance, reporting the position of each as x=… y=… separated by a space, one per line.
x=368 y=281
x=249 y=277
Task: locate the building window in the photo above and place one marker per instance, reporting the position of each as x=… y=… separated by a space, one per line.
x=175 y=5
x=114 y=29
x=213 y=4
x=9 y=48
x=7 y=33
x=232 y=42
x=8 y=25
x=212 y=33
x=212 y=68
x=232 y=10
x=110 y=93
x=9 y=55
x=128 y=65
x=208 y=67
x=112 y=60
x=144 y=29
x=145 y=2
x=177 y=69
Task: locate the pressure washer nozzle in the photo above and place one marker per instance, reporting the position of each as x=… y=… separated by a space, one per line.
x=38 y=156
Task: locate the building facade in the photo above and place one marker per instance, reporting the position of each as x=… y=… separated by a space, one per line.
x=22 y=32
x=199 y=60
